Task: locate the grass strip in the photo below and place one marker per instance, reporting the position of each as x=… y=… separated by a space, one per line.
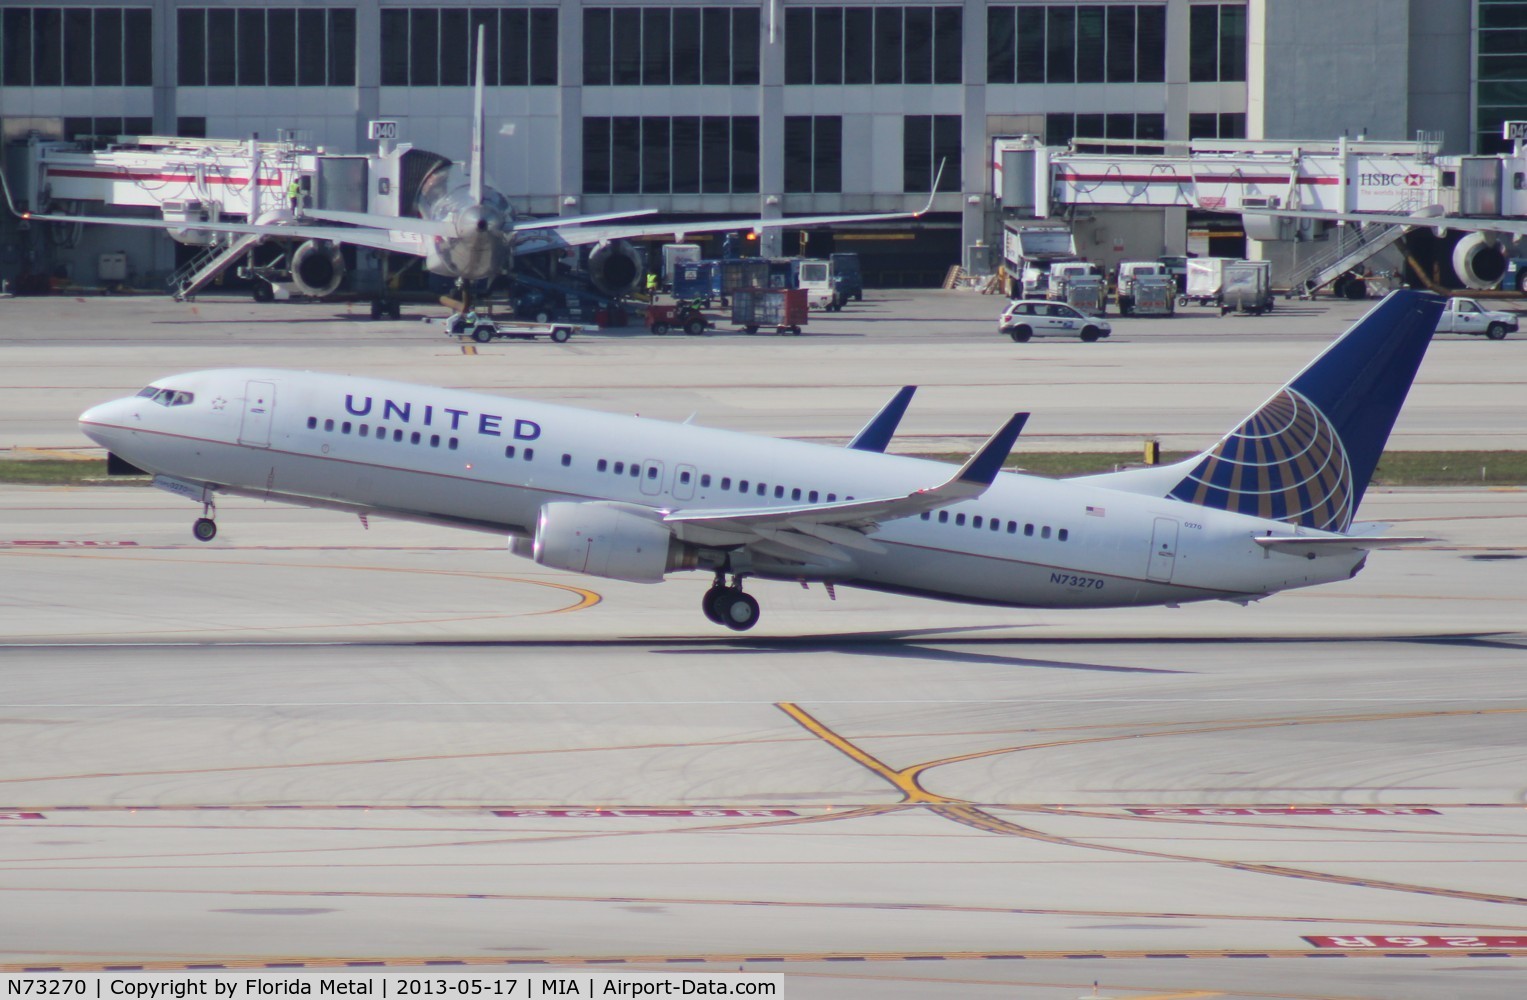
x=1397 y=468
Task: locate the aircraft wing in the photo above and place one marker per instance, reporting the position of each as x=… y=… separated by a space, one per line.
x=844 y=523
x=1517 y=227
x=400 y=240
x=598 y=234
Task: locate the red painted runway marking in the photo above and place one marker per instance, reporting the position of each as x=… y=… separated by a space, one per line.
x=1461 y=941
x=17 y=815
x=635 y=813
x=1286 y=811
x=54 y=543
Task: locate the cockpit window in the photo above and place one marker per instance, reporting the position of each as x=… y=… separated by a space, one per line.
x=167 y=397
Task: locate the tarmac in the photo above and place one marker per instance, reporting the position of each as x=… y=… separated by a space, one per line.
x=319 y=742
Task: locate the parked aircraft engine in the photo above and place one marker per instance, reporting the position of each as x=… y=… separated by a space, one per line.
x=1480 y=260
x=317 y=268
x=610 y=540
x=615 y=267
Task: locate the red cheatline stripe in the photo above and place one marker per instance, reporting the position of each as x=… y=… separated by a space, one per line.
x=130 y=175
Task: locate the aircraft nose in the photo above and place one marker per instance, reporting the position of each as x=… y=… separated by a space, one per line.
x=104 y=422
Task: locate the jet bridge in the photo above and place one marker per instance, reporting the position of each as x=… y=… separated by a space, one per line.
x=1094 y=183
x=194 y=181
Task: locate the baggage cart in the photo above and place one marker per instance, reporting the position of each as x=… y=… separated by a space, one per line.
x=784 y=309
x=485 y=330
x=1206 y=281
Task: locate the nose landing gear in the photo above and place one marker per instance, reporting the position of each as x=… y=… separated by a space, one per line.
x=729 y=606
x=204 y=527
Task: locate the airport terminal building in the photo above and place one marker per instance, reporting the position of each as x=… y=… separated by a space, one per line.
x=767 y=106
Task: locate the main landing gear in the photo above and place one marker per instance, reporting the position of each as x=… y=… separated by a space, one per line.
x=729 y=606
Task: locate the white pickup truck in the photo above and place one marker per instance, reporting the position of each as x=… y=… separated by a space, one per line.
x=1468 y=316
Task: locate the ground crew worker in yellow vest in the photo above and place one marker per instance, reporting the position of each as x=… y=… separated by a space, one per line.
x=294 y=192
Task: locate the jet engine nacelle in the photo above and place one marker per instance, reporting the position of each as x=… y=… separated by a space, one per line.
x=615 y=267
x=318 y=267
x=610 y=540
x=1479 y=260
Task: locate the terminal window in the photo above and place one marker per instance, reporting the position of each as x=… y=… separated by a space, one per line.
x=433 y=47
x=76 y=47
x=928 y=141
x=813 y=154
x=259 y=47
x=1063 y=126
x=683 y=155
x=1090 y=43
x=659 y=46
x=1217 y=43
x=1501 y=81
x=891 y=45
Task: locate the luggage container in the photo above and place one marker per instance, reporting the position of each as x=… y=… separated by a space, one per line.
x=784 y=309
x=1247 y=287
x=1206 y=281
x=698 y=281
x=675 y=254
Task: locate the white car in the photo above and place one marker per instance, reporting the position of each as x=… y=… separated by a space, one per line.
x=1025 y=318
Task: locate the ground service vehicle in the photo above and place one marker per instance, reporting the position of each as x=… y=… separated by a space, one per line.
x=848 y=276
x=814 y=277
x=484 y=330
x=1079 y=283
x=1027 y=318
x=1145 y=287
x=1468 y=316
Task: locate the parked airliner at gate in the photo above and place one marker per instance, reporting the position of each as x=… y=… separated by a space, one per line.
x=1269 y=507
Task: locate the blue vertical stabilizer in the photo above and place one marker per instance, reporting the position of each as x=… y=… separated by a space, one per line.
x=1307 y=454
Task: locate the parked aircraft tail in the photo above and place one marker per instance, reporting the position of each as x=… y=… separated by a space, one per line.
x=479 y=124
x=1306 y=455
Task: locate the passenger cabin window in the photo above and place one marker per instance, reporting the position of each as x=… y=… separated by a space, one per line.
x=684 y=477
x=508 y=451
x=602 y=465
x=328 y=425
x=1063 y=534
x=620 y=468
x=726 y=483
x=567 y=460
x=1044 y=532
x=312 y=421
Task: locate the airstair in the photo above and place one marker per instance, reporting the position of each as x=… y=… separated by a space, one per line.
x=205 y=267
x=1356 y=245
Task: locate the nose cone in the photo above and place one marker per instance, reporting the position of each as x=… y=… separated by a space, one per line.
x=104 y=424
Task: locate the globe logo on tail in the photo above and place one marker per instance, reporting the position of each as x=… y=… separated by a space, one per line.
x=1285 y=462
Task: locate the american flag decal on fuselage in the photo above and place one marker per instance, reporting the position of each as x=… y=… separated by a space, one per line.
x=1285 y=462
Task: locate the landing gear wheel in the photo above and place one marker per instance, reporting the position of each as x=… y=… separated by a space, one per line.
x=709 y=604
x=395 y=310
x=262 y=291
x=205 y=529
x=738 y=610
x=378 y=308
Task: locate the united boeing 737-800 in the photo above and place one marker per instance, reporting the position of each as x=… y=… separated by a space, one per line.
x=1269 y=507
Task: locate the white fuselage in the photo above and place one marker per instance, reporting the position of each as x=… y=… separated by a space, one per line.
x=492 y=462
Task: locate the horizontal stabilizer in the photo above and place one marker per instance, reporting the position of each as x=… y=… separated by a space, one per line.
x=1314 y=546
x=555 y=221
x=403 y=224
x=876 y=435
